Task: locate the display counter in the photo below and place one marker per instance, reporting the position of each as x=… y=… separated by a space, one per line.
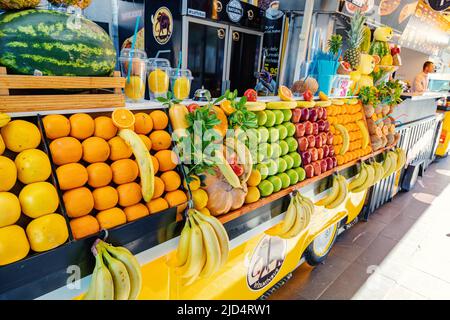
x=416 y=107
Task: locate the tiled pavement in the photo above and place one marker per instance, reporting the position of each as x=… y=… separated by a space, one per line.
x=403 y=252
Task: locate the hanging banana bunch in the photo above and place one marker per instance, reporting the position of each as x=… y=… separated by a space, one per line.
x=337 y=194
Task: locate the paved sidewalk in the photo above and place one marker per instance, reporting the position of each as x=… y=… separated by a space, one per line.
x=403 y=252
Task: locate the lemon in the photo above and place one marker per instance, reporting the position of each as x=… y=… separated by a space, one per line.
x=194 y=184
x=158 y=81
x=253 y=195
x=8 y=174
x=200 y=198
x=205 y=211
x=2 y=145
x=254 y=179
x=181 y=88
x=38 y=199
x=21 y=135
x=4 y=119
x=13 y=244
x=32 y=165
x=135 y=88
x=9 y=209
x=47 y=232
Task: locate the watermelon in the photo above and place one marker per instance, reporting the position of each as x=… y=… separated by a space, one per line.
x=55 y=43
x=379 y=48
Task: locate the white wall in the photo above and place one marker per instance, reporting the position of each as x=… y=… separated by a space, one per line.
x=412 y=63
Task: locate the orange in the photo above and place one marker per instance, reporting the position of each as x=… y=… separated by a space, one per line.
x=172 y=180
x=143 y=123
x=123 y=118
x=95 y=149
x=160 y=119
x=146 y=140
x=175 y=198
x=105 y=198
x=136 y=211
x=285 y=93
x=56 y=126
x=111 y=218
x=167 y=160
x=99 y=175
x=104 y=128
x=159 y=188
x=129 y=194
x=155 y=164
x=157 y=205
x=66 y=150
x=124 y=171
x=84 y=226
x=161 y=140
x=119 y=149
x=82 y=126
x=71 y=176
x=78 y=202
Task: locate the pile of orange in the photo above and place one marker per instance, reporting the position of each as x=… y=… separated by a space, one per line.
x=98 y=174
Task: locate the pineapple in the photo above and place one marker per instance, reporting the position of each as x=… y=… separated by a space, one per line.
x=354 y=38
x=335 y=43
x=18 y=4
x=82 y=4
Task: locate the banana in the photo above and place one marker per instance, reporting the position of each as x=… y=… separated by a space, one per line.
x=337 y=102
x=394 y=158
x=343 y=191
x=226 y=170
x=332 y=195
x=177 y=115
x=121 y=279
x=300 y=221
x=345 y=137
x=90 y=294
x=305 y=104
x=196 y=258
x=104 y=286
x=387 y=164
x=364 y=132
x=379 y=172
x=146 y=171
x=369 y=180
x=281 y=105
x=308 y=203
x=212 y=248
x=131 y=264
x=4 y=119
x=255 y=105
x=289 y=218
x=401 y=158
x=221 y=233
x=244 y=156
x=183 y=245
x=360 y=179
x=323 y=104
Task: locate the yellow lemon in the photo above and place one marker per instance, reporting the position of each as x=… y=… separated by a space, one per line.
x=181 y=88
x=47 y=232
x=2 y=145
x=254 y=179
x=33 y=165
x=9 y=209
x=14 y=244
x=135 y=88
x=205 y=211
x=8 y=174
x=38 y=199
x=253 y=195
x=4 y=119
x=194 y=183
x=21 y=135
x=200 y=198
x=158 y=81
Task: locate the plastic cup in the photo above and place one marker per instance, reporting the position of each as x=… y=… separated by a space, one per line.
x=135 y=86
x=158 y=77
x=180 y=80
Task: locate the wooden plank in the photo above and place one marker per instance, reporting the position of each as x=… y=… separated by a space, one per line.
x=60 y=102
x=118 y=90
x=3 y=91
x=54 y=82
x=280 y=194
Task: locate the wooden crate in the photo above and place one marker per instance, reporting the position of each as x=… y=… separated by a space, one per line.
x=92 y=98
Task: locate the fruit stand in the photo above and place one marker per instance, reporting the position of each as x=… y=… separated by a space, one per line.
x=105 y=195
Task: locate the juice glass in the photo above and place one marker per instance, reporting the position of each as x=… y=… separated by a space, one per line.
x=158 y=77
x=135 y=85
x=180 y=80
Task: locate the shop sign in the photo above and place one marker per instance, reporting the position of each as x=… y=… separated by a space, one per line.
x=196 y=13
x=235 y=11
x=266 y=262
x=162 y=22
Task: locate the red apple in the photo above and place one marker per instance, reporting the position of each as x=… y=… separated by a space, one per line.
x=305 y=114
x=327 y=126
x=330 y=138
x=313 y=115
x=326 y=150
x=309 y=169
x=296 y=114
x=303 y=144
x=329 y=163
x=320 y=153
x=308 y=128
x=318 y=141
x=335 y=164
x=321 y=125
x=324 y=137
x=299 y=130
x=331 y=151
x=325 y=114
x=317 y=168
x=315 y=128
x=320 y=112
x=306 y=157
x=311 y=141
x=314 y=154
x=323 y=165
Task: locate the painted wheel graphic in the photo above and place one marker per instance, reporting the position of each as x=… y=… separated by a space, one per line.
x=318 y=250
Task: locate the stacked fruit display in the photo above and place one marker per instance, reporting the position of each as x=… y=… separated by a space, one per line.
x=312 y=131
x=98 y=175
x=26 y=188
x=351 y=138
x=278 y=161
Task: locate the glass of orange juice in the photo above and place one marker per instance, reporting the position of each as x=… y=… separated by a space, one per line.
x=180 y=80
x=135 y=84
x=158 y=77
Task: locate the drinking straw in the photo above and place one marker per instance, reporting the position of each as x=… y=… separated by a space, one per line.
x=130 y=65
x=180 y=57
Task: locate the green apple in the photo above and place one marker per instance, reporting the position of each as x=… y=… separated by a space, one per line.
x=276 y=182
x=262 y=118
x=265 y=188
x=279 y=117
x=273 y=167
x=252 y=137
x=263 y=170
x=263 y=134
x=285 y=180
x=282 y=131
x=270 y=118
x=297 y=159
x=276 y=150
x=290 y=128
x=293 y=176
x=287 y=113
x=292 y=143
x=274 y=135
x=282 y=165
x=301 y=173
x=289 y=161
x=284 y=147
x=266 y=150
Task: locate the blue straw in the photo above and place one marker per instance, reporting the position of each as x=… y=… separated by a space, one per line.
x=130 y=65
x=180 y=57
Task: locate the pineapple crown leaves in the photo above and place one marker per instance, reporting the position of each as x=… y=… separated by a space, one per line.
x=335 y=43
x=356 y=33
